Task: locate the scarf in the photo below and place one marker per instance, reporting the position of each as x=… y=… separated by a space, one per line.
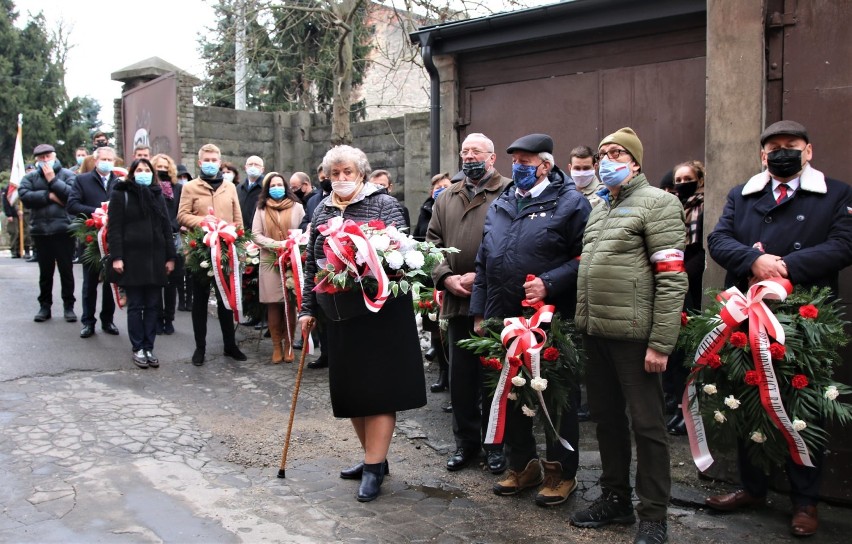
x=693 y=209
x=167 y=189
x=276 y=220
x=341 y=204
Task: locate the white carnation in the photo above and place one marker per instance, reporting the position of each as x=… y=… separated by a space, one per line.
x=394 y=259
x=710 y=389
x=414 y=259
x=538 y=384
x=380 y=242
x=210 y=273
x=519 y=381
x=256 y=260
x=758 y=437
x=513 y=396
x=731 y=402
x=432 y=316
x=799 y=425
x=204 y=264
x=831 y=392
x=719 y=416
x=527 y=411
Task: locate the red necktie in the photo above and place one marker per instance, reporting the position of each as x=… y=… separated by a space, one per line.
x=782 y=193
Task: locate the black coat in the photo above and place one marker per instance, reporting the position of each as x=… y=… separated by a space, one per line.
x=248 y=200
x=423 y=220
x=545 y=239
x=88 y=193
x=47 y=217
x=140 y=234
x=313 y=202
x=172 y=205
x=812 y=230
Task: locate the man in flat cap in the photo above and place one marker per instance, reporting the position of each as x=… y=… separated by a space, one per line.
x=630 y=292
x=45 y=192
x=533 y=229
x=458 y=217
x=788 y=221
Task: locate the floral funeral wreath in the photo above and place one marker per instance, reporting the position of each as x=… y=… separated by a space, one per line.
x=762 y=373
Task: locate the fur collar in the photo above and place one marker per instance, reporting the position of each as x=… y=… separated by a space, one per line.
x=811 y=180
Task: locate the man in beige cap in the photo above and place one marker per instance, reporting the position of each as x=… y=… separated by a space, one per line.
x=629 y=296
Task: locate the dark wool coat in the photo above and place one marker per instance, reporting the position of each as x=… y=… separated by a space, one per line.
x=47 y=216
x=544 y=238
x=248 y=200
x=89 y=192
x=812 y=230
x=140 y=234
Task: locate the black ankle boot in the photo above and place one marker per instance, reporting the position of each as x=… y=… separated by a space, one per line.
x=443 y=381
x=371 y=481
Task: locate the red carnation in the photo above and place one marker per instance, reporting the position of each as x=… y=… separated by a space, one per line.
x=808 y=311
x=712 y=359
x=752 y=377
x=89 y=238
x=90 y=222
x=684 y=319
x=483 y=361
x=739 y=340
x=240 y=232
x=193 y=243
x=800 y=381
x=376 y=224
x=249 y=269
x=551 y=354
x=777 y=351
x=515 y=361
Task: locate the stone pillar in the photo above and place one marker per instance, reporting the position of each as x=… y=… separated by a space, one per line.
x=446 y=65
x=186 y=123
x=416 y=163
x=735 y=106
x=119 y=127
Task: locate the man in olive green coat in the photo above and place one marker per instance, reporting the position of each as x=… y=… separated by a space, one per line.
x=629 y=296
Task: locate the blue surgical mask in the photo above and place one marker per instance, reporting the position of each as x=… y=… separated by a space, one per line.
x=209 y=169
x=253 y=172
x=437 y=192
x=524 y=176
x=277 y=192
x=613 y=173
x=104 y=167
x=80 y=160
x=143 y=178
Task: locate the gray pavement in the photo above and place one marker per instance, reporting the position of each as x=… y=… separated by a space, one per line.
x=93 y=449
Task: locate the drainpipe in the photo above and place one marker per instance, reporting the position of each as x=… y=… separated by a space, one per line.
x=435 y=109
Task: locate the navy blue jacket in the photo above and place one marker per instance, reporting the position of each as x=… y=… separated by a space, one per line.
x=313 y=202
x=545 y=239
x=248 y=199
x=47 y=217
x=812 y=230
x=88 y=193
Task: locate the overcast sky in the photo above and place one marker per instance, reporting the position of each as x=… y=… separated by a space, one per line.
x=108 y=36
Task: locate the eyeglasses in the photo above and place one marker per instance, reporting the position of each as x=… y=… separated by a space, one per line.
x=613 y=154
x=475 y=152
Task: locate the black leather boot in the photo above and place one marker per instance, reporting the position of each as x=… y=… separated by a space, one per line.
x=443 y=380
x=371 y=481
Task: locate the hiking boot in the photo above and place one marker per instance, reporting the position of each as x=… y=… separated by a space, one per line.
x=608 y=508
x=555 y=489
x=516 y=482
x=652 y=532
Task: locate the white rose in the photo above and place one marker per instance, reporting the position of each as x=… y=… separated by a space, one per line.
x=204 y=264
x=719 y=416
x=380 y=242
x=538 y=384
x=394 y=259
x=256 y=260
x=831 y=392
x=414 y=259
x=731 y=402
x=527 y=411
x=758 y=437
x=432 y=316
x=513 y=396
x=519 y=381
x=210 y=273
x=710 y=389
x=799 y=425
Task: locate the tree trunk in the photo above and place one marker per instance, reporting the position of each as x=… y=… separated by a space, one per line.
x=341 y=132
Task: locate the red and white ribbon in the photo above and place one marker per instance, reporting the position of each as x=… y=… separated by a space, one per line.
x=100 y=217
x=762 y=325
x=524 y=340
x=218 y=232
x=290 y=257
x=336 y=232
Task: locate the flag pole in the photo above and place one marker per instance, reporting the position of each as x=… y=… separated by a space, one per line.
x=20 y=228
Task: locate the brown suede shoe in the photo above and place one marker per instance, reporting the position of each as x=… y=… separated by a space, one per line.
x=733 y=501
x=516 y=482
x=805 y=521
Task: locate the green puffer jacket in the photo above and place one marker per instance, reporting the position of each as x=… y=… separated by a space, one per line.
x=619 y=295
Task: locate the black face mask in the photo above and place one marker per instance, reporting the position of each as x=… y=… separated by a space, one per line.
x=474 y=170
x=101 y=144
x=784 y=163
x=325 y=185
x=299 y=193
x=163 y=175
x=686 y=190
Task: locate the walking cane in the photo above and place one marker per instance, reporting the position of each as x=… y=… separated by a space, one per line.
x=305 y=332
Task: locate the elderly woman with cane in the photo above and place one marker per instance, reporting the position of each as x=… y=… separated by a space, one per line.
x=375 y=368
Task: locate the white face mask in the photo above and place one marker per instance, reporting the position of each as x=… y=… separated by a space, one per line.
x=583 y=177
x=228 y=176
x=343 y=188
